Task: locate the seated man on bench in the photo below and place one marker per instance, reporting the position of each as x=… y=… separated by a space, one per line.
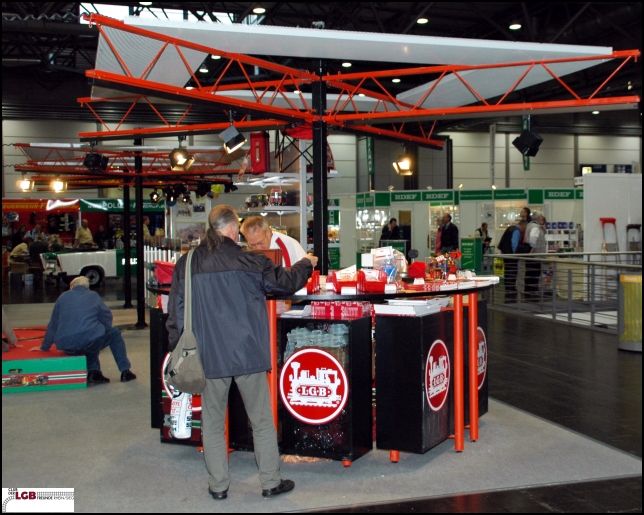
x=81 y=324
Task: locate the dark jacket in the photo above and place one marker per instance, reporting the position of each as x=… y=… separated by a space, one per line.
x=229 y=314
x=449 y=236
x=37 y=248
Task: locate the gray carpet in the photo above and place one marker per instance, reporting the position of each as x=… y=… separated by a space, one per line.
x=99 y=441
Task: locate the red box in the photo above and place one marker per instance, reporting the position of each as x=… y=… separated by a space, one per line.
x=313 y=284
x=259 y=153
x=372 y=286
x=333 y=283
x=163 y=272
x=340 y=309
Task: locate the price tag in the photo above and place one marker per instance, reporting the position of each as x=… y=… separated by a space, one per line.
x=348 y=290
x=390 y=288
x=419 y=280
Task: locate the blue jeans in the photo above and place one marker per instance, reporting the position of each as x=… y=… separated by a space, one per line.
x=112 y=339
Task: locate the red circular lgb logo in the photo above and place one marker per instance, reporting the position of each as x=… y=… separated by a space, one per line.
x=437 y=375
x=481 y=353
x=313 y=386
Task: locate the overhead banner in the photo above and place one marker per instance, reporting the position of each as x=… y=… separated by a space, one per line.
x=60 y=205
x=116 y=205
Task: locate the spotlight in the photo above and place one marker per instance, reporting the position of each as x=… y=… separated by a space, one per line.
x=155 y=196
x=57 y=185
x=422 y=21
x=180 y=160
x=232 y=139
x=25 y=184
x=403 y=165
x=95 y=162
x=170 y=195
x=186 y=198
x=515 y=26
x=229 y=186
x=259 y=10
x=203 y=190
x=528 y=143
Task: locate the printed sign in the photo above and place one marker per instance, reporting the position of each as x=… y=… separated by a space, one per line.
x=437 y=376
x=314 y=386
x=481 y=356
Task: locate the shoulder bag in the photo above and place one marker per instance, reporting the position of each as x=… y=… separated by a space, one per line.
x=184 y=371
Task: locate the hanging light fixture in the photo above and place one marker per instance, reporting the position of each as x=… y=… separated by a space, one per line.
x=204 y=189
x=403 y=164
x=156 y=196
x=231 y=137
x=25 y=184
x=170 y=196
x=95 y=162
x=180 y=159
x=58 y=185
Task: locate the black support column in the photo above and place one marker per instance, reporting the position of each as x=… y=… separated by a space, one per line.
x=320 y=190
x=140 y=261
x=127 y=267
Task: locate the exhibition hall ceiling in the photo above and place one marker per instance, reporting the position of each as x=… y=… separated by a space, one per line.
x=47 y=50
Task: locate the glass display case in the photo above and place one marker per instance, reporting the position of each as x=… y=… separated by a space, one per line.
x=372 y=213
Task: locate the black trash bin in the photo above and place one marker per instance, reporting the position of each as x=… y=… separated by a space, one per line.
x=414 y=360
x=325 y=387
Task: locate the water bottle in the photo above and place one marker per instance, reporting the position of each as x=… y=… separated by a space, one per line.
x=181 y=415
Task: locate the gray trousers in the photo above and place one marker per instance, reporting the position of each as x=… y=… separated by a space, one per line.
x=254 y=393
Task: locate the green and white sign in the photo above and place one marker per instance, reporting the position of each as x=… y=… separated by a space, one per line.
x=472 y=254
x=559 y=194
x=406 y=196
x=359 y=200
x=334 y=258
x=438 y=196
x=579 y=194
x=512 y=194
x=116 y=205
x=476 y=195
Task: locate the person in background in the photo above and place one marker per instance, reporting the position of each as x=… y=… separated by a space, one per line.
x=53 y=223
x=37 y=247
x=260 y=236
x=483 y=234
x=35 y=232
x=449 y=234
x=509 y=243
x=20 y=251
x=18 y=236
x=526 y=216
x=146 y=230
x=55 y=243
x=391 y=231
x=81 y=324
x=101 y=237
x=10 y=336
x=83 y=238
x=535 y=236
x=230 y=323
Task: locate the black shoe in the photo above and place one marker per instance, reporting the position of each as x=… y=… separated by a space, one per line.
x=218 y=496
x=285 y=486
x=126 y=376
x=96 y=377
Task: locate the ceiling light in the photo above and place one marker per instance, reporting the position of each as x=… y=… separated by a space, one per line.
x=186 y=197
x=94 y=162
x=155 y=196
x=170 y=196
x=25 y=184
x=145 y=4
x=515 y=26
x=180 y=159
x=215 y=56
x=629 y=86
x=203 y=69
x=204 y=190
x=229 y=186
x=232 y=139
x=259 y=10
x=460 y=186
x=493 y=186
x=403 y=165
x=395 y=80
x=190 y=87
x=430 y=187
x=346 y=65
x=391 y=188
x=57 y=185
x=595 y=112
x=361 y=94
x=422 y=21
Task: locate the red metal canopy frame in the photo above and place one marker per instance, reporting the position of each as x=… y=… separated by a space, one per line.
x=386 y=117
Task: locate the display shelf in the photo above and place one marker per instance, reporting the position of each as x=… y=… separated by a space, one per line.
x=562 y=239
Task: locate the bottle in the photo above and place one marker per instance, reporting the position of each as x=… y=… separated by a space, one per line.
x=181 y=415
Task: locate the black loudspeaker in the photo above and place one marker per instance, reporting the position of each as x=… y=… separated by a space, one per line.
x=95 y=162
x=528 y=143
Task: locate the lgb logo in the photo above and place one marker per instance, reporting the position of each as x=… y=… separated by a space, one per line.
x=25 y=495
x=437 y=376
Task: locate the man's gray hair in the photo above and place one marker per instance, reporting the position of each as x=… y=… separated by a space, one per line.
x=81 y=280
x=219 y=218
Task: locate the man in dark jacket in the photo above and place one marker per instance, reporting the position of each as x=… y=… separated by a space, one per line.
x=449 y=235
x=230 y=322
